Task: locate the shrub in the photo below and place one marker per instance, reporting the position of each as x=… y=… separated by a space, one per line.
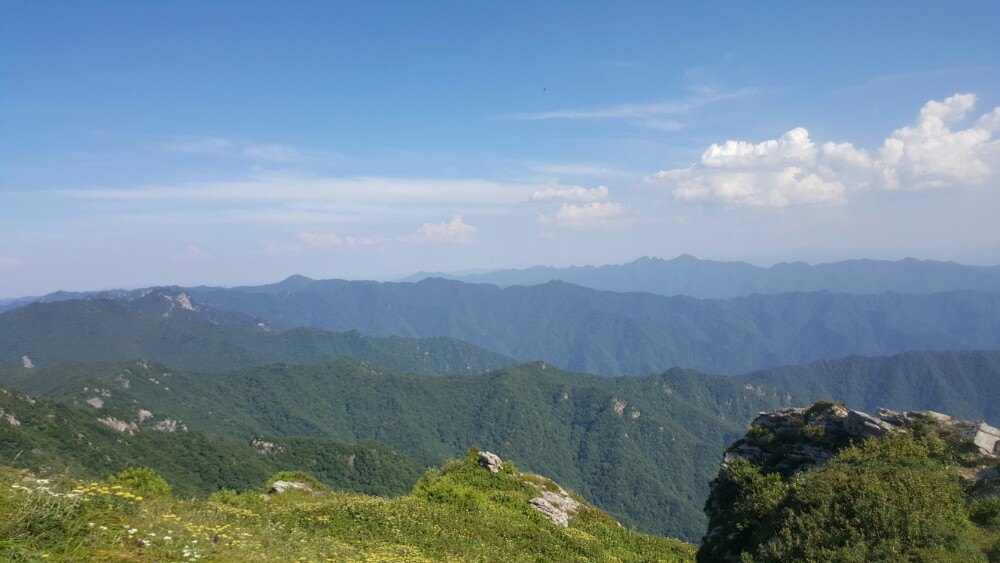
x=143 y=481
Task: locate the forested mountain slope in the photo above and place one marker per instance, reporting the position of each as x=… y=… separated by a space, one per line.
x=642 y=448
x=687 y=275
x=964 y=384
x=633 y=333
x=203 y=338
x=41 y=434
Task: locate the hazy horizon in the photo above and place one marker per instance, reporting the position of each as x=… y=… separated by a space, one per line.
x=462 y=272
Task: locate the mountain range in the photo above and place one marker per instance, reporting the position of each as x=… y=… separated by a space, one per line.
x=687 y=275
x=566 y=325
x=153 y=328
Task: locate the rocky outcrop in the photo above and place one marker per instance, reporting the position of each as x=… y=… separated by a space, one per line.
x=265 y=447
x=792 y=440
x=490 y=461
x=170 y=425
x=281 y=487
x=553 y=502
x=795 y=439
x=119 y=425
x=10 y=418
x=557 y=506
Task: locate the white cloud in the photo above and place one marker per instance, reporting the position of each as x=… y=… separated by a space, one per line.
x=599 y=193
x=456 y=231
x=773 y=173
x=592 y=215
x=791 y=170
x=931 y=155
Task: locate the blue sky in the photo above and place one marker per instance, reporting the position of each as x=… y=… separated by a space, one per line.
x=225 y=143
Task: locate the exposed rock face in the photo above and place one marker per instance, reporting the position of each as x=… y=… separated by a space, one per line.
x=9 y=417
x=265 y=447
x=556 y=506
x=169 y=425
x=281 y=487
x=792 y=440
x=119 y=425
x=490 y=461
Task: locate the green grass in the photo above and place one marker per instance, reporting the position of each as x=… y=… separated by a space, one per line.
x=461 y=512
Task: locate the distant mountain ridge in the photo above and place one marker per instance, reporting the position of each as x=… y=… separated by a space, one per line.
x=566 y=325
x=170 y=327
x=687 y=275
x=612 y=333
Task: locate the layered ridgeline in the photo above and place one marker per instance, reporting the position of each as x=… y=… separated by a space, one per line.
x=55 y=437
x=687 y=275
x=641 y=448
x=631 y=333
x=565 y=325
x=166 y=326
x=477 y=509
x=827 y=483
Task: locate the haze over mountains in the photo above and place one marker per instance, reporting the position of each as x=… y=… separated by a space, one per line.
x=569 y=326
x=687 y=275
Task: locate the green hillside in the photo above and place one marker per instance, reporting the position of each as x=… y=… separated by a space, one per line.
x=101 y=330
x=610 y=333
x=641 y=448
x=53 y=437
x=462 y=512
x=963 y=384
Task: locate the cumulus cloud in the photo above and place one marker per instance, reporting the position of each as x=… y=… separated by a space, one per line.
x=931 y=155
x=592 y=215
x=792 y=170
x=455 y=231
x=599 y=193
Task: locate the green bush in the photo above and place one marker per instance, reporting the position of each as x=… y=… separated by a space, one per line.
x=888 y=499
x=142 y=481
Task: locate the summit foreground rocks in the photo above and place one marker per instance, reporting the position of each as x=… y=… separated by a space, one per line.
x=796 y=439
x=780 y=445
